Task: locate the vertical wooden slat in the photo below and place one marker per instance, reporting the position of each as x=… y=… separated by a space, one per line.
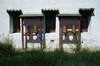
x=78 y=32
x=41 y=31
x=22 y=35
x=26 y=41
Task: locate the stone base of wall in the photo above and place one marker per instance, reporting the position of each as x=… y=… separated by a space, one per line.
x=69 y=50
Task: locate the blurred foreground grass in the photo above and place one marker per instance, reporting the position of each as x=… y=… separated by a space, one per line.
x=10 y=57
x=50 y=58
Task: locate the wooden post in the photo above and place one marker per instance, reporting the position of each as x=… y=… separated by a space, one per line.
x=59 y=33
x=22 y=35
x=41 y=31
x=25 y=41
x=78 y=33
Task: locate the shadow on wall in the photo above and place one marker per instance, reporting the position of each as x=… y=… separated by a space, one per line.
x=69 y=40
x=86 y=18
x=85 y=23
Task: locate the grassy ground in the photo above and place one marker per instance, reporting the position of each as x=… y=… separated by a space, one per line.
x=9 y=57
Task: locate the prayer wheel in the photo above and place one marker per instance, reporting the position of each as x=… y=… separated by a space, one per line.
x=74 y=29
x=64 y=29
x=35 y=29
x=27 y=29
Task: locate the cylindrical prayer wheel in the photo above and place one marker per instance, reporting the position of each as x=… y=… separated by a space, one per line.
x=27 y=29
x=74 y=29
x=35 y=29
x=64 y=29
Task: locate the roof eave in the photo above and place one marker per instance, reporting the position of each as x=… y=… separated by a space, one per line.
x=31 y=16
x=69 y=15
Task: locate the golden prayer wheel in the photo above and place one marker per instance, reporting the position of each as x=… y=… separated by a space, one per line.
x=74 y=29
x=27 y=29
x=35 y=29
x=64 y=29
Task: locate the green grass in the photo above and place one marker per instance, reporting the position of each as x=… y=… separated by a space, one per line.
x=10 y=57
x=53 y=58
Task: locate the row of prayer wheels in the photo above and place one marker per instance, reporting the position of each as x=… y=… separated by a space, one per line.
x=35 y=29
x=65 y=29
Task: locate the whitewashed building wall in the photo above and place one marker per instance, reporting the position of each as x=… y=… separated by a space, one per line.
x=89 y=39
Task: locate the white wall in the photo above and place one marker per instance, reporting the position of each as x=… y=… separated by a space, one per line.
x=90 y=39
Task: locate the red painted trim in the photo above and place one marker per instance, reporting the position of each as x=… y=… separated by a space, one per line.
x=41 y=31
x=31 y=24
x=40 y=26
x=69 y=24
x=68 y=34
x=59 y=33
x=29 y=34
x=22 y=35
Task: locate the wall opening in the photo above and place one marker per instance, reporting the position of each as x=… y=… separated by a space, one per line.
x=84 y=24
x=86 y=16
x=16 y=26
x=14 y=20
x=50 y=19
x=50 y=24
